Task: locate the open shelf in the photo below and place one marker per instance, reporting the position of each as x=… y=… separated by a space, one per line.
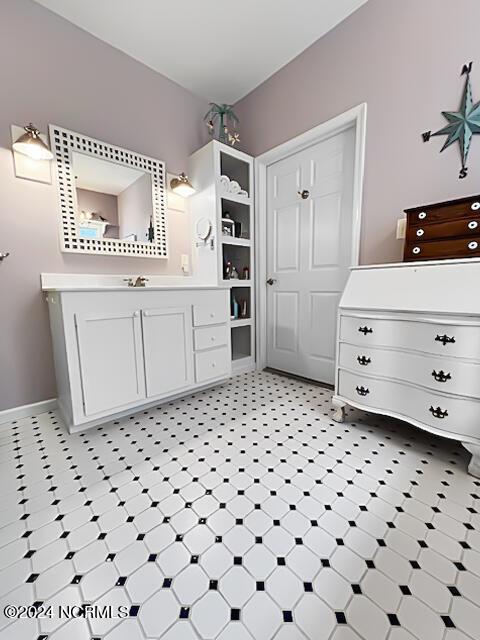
x=241 y=342
x=236 y=169
x=241 y=322
x=239 y=242
x=242 y=296
x=238 y=256
x=240 y=213
x=237 y=283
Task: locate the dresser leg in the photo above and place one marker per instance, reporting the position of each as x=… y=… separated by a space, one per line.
x=339 y=406
x=474 y=466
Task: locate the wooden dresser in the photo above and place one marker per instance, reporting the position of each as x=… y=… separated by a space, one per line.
x=409 y=347
x=443 y=230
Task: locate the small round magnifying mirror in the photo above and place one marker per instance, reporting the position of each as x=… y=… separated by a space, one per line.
x=204 y=229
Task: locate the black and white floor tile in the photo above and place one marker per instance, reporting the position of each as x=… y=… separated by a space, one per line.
x=239 y=513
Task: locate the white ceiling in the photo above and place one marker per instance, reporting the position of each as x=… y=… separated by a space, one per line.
x=218 y=49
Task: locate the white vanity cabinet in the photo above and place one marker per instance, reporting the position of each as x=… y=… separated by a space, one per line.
x=409 y=347
x=117 y=350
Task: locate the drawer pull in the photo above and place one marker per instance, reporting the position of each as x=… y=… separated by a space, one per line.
x=438 y=413
x=363 y=360
x=420 y=232
x=422 y=215
x=445 y=339
x=473 y=224
x=441 y=376
x=362 y=391
x=365 y=330
x=416 y=250
x=475 y=206
x=473 y=245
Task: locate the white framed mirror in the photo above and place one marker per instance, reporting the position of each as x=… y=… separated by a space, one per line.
x=111 y=200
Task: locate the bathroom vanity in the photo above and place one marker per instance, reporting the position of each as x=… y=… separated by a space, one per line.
x=118 y=349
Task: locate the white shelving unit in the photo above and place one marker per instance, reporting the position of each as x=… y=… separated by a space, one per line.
x=212 y=201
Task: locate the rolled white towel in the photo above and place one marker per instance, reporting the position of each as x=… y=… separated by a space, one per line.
x=225 y=182
x=234 y=187
x=243 y=193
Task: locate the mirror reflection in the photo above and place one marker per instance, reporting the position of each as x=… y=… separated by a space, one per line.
x=113 y=200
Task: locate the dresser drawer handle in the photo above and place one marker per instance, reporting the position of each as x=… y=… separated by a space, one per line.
x=365 y=330
x=473 y=245
x=420 y=232
x=473 y=224
x=362 y=391
x=475 y=206
x=445 y=339
x=422 y=215
x=441 y=376
x=363 y=360
x=438 y=413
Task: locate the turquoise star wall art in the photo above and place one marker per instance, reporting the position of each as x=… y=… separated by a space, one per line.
x=462 y=124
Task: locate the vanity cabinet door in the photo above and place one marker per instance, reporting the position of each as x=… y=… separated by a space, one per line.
x=111 y=361
x=168 y=350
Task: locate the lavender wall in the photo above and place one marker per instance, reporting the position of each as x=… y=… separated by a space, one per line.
x=52 y=72
x=402 y=57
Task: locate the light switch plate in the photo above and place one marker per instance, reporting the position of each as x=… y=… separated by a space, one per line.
x=401 y=228
x=185 y=261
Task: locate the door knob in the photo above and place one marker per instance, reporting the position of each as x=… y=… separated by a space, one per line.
x=271 y=281
x=303 y=194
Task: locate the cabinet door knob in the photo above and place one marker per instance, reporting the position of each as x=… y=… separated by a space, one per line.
x=136 y=314
x=363 y=360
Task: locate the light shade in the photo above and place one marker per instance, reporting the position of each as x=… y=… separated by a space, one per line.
x=182 y=186
x=31 y=145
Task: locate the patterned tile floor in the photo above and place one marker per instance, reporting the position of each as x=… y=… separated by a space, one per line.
x=239 y=513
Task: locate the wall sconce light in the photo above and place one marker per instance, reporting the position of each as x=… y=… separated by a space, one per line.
x=30 y=144
x=182 y=186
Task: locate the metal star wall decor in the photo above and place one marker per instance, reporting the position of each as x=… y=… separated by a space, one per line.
x=462 y=125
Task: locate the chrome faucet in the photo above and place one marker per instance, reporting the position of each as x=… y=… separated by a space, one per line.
x=139 y=282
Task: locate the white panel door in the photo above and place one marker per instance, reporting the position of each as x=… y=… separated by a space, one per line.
x=168 y=349
x=111 y=361
x=309 y=248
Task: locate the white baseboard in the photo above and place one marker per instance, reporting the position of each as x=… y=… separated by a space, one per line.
x=16 y=413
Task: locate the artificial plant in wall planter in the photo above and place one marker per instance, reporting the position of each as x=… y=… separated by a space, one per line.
x=218 y=119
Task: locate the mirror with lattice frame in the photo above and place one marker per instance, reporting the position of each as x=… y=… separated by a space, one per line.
x=111 y=200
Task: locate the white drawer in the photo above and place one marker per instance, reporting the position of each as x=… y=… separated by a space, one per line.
x=456 y=416
x=209 y=337
x=430 y=337
x=213 y=309
x=216 y=363
x=448 y=375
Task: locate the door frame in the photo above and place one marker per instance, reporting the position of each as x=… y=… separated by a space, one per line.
x=355 y=117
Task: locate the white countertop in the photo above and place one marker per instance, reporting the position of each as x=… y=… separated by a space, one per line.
x=105 y=282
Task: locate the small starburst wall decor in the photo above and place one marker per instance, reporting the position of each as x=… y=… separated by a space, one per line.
x=462 y=124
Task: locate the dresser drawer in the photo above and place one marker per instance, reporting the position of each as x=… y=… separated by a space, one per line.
x=212 y=364
x=456 y=416
x=439 y=374
x=208 y=337
x=445 y=211
x=212 y=310
x=429 y=337
x=442 y=249
x=450 y=229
